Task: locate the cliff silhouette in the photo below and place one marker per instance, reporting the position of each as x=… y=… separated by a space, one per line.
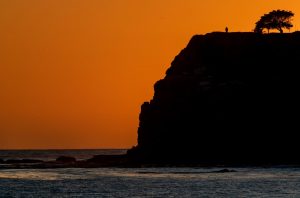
x=227 y=99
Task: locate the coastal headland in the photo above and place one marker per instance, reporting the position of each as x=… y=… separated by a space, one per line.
x=228 y=99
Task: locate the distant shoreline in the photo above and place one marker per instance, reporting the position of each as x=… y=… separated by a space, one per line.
x=121 y=161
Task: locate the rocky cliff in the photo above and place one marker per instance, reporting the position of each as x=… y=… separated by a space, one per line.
x=228 y=98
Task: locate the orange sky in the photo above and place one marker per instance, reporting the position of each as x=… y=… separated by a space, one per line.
x=73 y=73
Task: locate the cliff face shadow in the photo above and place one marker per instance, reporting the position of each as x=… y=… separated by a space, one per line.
x=228 y=98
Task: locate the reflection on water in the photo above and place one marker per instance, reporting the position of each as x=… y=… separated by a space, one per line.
x=29 y=175
x=37 y=175
x=151 y=182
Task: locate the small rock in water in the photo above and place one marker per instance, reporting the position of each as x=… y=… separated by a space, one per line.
x=66 y=159
x=225 y=171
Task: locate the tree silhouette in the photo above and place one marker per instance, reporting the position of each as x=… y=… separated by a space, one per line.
x=277 y=19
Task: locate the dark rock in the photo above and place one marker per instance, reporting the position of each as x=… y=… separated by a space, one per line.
x=1 y=161
x=225 y=171
x=226 y=99
x=109 y=160
x=66 y=159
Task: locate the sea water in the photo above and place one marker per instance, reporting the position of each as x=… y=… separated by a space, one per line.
x=151 y=182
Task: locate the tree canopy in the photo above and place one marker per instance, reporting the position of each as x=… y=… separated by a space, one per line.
x=277 y=19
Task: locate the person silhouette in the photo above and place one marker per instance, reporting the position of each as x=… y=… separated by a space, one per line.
x=226 y=29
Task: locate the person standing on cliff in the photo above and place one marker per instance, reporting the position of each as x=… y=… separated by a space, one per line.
x=226 y=29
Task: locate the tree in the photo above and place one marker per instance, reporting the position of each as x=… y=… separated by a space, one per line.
x=277 y=19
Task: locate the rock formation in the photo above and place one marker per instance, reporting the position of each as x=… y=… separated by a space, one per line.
x=228 y=98
x=66 y=159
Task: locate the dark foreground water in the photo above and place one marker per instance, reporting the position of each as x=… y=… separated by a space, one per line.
x=154 y=182
x=150 y=182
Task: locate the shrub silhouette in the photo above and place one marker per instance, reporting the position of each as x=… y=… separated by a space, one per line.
x=277 y=19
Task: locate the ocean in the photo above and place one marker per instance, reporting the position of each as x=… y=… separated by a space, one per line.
x=144 y=182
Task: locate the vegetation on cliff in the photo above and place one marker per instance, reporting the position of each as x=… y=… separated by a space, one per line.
x=277 y=19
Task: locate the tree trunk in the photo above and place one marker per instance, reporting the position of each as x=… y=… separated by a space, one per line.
x=280 y=30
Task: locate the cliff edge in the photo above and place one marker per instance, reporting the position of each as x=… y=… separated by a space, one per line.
x=228 y=98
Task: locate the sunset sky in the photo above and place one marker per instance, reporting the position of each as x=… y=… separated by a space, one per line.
x=73 y=73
